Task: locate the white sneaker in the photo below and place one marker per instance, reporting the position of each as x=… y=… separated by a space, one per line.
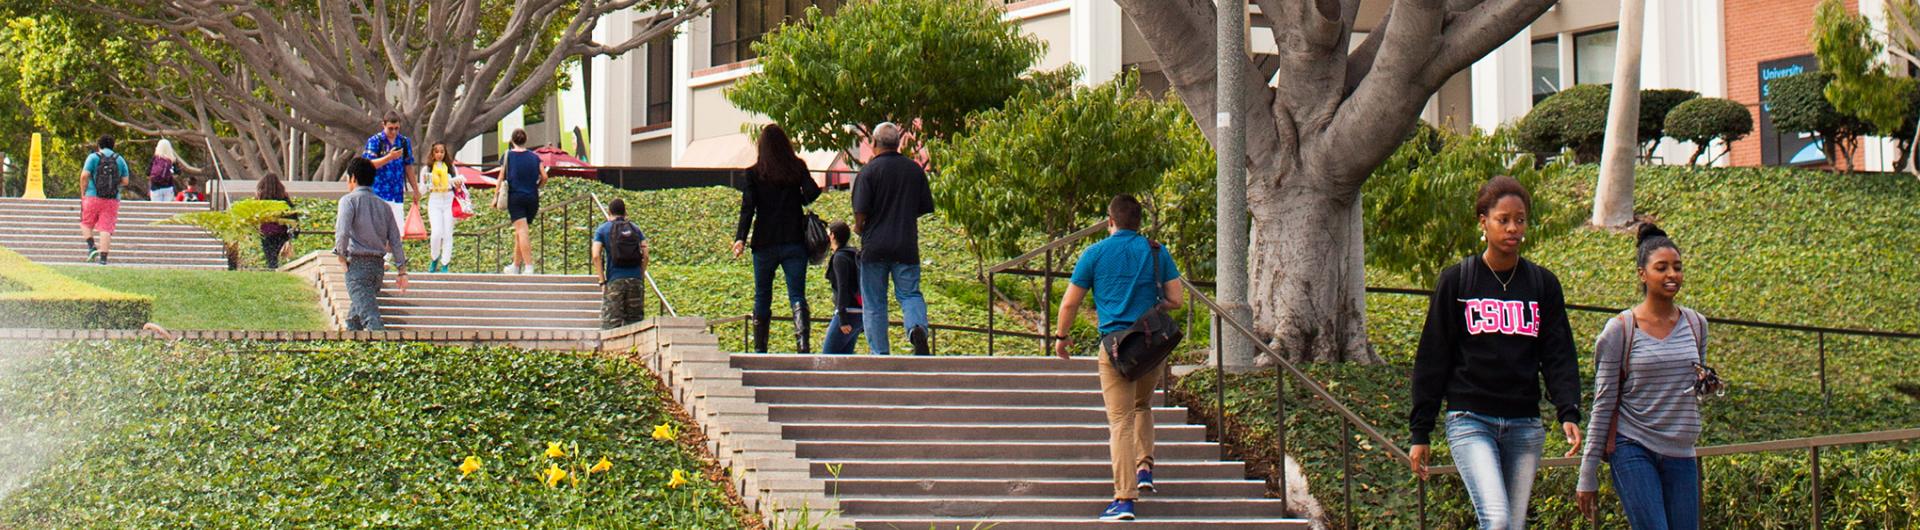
x=510 y=269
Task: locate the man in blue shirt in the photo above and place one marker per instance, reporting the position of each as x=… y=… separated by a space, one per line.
x=392 y=157
x=622 y=248
x=105 y=172
x=1120 y=271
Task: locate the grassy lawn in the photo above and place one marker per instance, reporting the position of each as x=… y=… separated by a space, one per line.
x=336 y=435
x=198 y=299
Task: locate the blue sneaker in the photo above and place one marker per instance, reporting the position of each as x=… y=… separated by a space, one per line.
x=1146 y=480
x=1118 y=511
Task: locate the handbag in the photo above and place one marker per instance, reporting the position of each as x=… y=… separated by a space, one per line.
x=500 y=193
x=816 y=234
x=1142 y=347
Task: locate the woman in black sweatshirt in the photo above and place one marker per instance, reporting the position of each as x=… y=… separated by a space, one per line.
x=843 y=273
x=778 y=187
x=1496 y=329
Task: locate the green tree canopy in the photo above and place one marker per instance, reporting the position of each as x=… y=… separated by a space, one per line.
x=1048 y=162
x=1419 y=203
x=828 y=79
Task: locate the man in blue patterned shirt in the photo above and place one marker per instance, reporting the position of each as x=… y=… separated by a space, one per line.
x=392 y=157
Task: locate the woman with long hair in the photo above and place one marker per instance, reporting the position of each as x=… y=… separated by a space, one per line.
x=778 y=188
x=273 y=236
x=1496 y=330
x=162 y=172
x=524 y=174
x=1650 y=374
x=440 y=178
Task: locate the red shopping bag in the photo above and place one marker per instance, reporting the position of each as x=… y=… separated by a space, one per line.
x=462 y=203
x=415 y=229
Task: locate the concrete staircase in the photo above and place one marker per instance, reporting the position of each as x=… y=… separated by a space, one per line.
x=472 y=301
x=48 y=232
x=943 y=442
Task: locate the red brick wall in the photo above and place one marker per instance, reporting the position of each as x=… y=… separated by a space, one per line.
x=1763 y=30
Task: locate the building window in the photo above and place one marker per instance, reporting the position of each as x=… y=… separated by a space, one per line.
x=740 y=23
x=1546 y=68
x=659 y=80
x=1593 y=56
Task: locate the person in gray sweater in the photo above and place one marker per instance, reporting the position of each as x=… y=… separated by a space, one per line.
x=1650 y=375
x=364 y=233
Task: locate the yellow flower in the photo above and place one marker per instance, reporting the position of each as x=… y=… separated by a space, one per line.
x=553 y=450
x=664 y=432
x=554 y=474
x=679 y=479
x=601 y=467
x=471 y=465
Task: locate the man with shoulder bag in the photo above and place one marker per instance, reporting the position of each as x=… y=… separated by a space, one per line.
x=1134 y=283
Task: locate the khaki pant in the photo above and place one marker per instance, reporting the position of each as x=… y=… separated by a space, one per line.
x=1129 y=424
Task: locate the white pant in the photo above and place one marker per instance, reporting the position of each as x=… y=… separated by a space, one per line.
x=161 y=194
x=440 y=226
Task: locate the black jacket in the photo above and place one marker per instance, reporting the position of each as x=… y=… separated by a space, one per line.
x=774 y=212
x=1487 y=349
x=843 y=273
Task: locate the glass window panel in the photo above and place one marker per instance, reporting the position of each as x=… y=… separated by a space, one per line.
x=1593 y=56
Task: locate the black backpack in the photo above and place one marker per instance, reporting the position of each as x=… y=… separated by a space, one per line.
x=623 y=243
x=106 y=176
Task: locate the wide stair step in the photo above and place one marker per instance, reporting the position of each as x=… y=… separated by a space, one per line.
x=465 y=301
x=1011 y=443
x=48 y=232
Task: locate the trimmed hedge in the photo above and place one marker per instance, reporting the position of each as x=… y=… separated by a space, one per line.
x=1655 y=103
x=1704 y=120
x=1575 y=118
x=58 y=302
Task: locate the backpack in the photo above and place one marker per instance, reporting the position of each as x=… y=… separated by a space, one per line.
x=106 y=175
x=623 y=243
x=160 y=175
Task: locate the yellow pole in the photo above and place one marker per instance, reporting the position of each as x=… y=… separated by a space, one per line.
x=36 y=187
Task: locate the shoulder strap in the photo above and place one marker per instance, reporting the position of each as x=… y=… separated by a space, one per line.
x=1466 y=274
x=1620 y=383
x=1697 y=323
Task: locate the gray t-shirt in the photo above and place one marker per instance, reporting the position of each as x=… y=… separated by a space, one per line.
x=365 y=227
x=1659 y=410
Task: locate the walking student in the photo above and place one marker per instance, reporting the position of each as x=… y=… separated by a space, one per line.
x=525 y=174
x=1649 y=377
x=1120 y=272
x=843 y=273
x=889 y=197
x=162 y=172
x=364 y=232
x=620 y=260
x=439 y=178
x=273 y=236
x=1496 y=330
x=105 y=172
x=778 y=190
x=392 y=156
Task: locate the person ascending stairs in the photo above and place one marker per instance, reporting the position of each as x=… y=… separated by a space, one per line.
x=1124 y=277
x=777 y=190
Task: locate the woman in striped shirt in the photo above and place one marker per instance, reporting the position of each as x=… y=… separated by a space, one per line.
x=1646 y=408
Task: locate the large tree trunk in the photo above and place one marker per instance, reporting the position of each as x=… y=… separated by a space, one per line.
x=1308 y=276
x=1316 y=134
x=1613 y=196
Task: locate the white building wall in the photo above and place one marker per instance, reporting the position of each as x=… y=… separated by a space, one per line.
x=1501 y=88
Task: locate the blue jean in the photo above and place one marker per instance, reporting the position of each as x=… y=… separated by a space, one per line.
x=838 y=342
x=873 y=292
x=1657 y=492
x=791 y=259
x=1497 y=458
x=364 y=277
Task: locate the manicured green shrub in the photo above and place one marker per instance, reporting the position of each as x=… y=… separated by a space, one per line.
x=49 y=300
x=1704 y=120
x=1655 y=103
x=1575 y=118
x=1799 y=104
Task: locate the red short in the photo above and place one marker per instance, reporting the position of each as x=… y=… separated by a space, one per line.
x=99 y=214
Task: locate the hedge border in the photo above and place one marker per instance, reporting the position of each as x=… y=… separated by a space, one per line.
x=52 y=300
